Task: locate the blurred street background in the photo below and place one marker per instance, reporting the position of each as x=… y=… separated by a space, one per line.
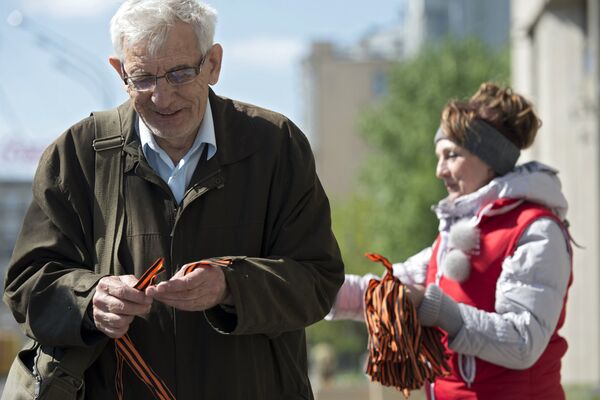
x=366 y=82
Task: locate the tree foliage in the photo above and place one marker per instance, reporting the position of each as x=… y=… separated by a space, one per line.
x=397 y=185
x=391 y=211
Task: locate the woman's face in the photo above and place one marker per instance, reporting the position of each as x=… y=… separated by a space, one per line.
x=461 y=171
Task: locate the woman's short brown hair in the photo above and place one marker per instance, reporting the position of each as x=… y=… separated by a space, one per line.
x=510 y=113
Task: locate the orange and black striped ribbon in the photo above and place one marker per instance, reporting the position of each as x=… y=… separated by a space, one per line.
x=402 y=354
x=125 y=349
x=126 y=352
x=209 y=262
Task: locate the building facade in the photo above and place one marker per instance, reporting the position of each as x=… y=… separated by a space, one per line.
x=15 y=197
x=341 y=83
x=555 y=56
x=19 y=156
x=338 y=86
x=428 y=21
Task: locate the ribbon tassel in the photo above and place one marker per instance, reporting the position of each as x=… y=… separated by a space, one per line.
x=402 y=354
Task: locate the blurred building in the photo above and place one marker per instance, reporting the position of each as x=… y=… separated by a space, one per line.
x=556 y=58
x=14 y=200
x=341 y=83
x=432 y=20
x=18 y=160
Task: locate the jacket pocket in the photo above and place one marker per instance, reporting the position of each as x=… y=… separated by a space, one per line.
x=21 y=383
x=36 y=374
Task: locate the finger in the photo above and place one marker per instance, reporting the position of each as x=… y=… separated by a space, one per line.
x=110 y=304
x=415 y=294
x=129 y=280
x=195 y=304
x=118 y=286
x=185 y=283
x=113 y=321
x=178 y=297
x=182 y=305
x=111 y=324
x=122 y=307
x=195 y=300
x=115 y=333
x=197 y=265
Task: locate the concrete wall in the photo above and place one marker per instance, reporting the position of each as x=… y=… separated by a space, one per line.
x=555 y=63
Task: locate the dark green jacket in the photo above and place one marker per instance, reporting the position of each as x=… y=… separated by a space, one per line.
x=259 y=198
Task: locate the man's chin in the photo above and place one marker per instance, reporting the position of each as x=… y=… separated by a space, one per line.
x=164 y=130
x=161 y=133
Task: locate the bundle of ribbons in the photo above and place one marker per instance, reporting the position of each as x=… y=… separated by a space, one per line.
x=402 y=354
x=125 y=349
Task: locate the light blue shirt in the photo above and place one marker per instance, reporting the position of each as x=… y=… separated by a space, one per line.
x=178 y=176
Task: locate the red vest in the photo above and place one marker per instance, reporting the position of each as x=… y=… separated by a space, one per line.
x=500 y=234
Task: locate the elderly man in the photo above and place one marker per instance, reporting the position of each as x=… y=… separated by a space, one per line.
x=203 y=177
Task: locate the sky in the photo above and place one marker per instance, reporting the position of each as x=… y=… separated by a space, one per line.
x=54 y=59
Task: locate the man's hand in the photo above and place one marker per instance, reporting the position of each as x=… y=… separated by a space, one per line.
x=201 y=289
x=116 y=303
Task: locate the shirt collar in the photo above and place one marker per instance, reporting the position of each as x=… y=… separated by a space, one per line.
x=206 y=134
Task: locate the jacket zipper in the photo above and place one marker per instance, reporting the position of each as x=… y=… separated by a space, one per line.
x=177 y=211
x=36 y=374
x=201 y=189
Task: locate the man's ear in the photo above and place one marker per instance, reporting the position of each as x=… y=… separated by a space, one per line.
x=215 y=56
x=116 y=64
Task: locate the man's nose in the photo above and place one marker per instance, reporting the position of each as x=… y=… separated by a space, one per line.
x=163 y=93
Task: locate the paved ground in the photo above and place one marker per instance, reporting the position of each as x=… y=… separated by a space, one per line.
x=355 y=391
x=365 y=391
x=352 y=392
x=2 y=379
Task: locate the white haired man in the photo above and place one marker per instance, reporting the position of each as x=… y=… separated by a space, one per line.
x=203 y=177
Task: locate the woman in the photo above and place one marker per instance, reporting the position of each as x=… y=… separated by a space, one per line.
x=496 y=278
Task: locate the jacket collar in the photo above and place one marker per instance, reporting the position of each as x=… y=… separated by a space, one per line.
x=235 y=139
x=532 y=181
x=236 y=132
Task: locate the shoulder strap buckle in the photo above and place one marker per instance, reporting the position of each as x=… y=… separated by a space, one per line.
x=108 y=143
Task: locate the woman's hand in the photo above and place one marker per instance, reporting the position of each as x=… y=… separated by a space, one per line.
x=415 y=294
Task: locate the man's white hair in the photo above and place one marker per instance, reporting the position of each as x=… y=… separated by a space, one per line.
x=149 y=21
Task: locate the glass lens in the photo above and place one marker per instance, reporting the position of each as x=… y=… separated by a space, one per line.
x=142 y=82
x=181 y=76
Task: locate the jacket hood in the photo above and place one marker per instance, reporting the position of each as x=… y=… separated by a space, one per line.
x=533 y=181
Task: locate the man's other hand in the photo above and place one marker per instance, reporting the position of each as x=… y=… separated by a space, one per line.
x=116 y=303
x=199 y=290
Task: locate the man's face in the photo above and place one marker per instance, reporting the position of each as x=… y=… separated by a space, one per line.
x=462 y=171
x=173 y=113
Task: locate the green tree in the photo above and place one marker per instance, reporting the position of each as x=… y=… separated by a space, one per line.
x=391 y=211
x=398 y=179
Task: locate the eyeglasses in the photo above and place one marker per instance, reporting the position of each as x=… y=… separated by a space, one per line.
x=176 y=77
